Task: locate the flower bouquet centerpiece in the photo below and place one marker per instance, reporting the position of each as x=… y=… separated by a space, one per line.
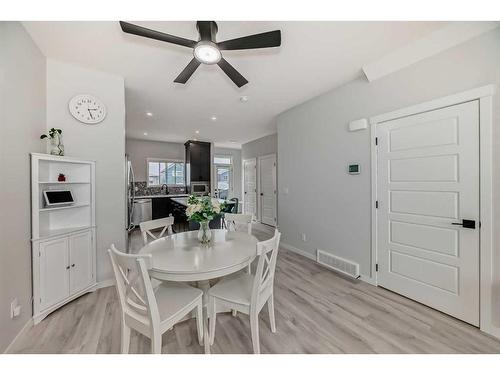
x=202 y=210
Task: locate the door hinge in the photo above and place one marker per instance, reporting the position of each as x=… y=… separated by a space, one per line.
x=376 y=204
x=376 y=141
x=376 y=267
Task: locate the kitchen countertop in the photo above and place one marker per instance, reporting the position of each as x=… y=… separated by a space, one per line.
x=183 y=201
x=161 y=196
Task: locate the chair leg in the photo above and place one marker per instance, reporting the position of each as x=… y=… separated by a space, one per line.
x=156 y=343
x=254 y=327
x=270 y=308
x=199 y=322
x=212 y=315
x=125 y=342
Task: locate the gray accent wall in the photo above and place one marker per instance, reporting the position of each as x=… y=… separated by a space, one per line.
x=314 y=148
x=260 y=147
x=22 y=119
x=103 y=142
x=139 y=151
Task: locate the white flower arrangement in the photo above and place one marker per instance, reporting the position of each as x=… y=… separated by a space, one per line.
x=203 y=209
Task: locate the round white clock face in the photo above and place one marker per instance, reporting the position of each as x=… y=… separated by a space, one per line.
x=87 y=109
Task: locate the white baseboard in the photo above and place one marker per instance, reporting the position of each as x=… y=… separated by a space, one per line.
x=23 y=330
x=491 y=331
x=104 y=283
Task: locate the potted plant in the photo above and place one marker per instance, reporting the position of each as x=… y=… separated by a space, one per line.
x=56 y=143
x=202 y=210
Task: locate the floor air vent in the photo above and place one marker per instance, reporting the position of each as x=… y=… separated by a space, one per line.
x=338 y=264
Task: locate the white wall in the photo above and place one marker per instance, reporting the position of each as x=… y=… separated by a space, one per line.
x=260 y=147
x=22 y=120
x=314 y=148
x=139 y=150
x=236 y=157
x=104 y=143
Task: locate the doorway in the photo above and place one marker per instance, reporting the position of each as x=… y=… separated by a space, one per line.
x=428 y=231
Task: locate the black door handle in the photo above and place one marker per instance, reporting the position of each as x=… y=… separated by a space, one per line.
x=261 y=194
x=471 y=224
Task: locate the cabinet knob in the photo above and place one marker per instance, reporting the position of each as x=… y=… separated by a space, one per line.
x=73 y=265
x=67 y=267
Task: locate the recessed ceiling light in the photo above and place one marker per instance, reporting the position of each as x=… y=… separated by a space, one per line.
x=244 y=99
x=197 y=132
x=145 y=133
x=232 y=141
x=213 y=118
x=149 y=114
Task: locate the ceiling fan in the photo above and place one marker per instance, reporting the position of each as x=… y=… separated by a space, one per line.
x=207 y=50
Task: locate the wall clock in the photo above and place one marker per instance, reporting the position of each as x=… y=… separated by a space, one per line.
x=87 y=109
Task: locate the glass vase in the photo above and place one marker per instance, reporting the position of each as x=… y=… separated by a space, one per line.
x=204 y=233
x=56 y=145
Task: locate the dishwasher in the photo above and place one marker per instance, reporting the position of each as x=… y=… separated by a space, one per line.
x=142 y=211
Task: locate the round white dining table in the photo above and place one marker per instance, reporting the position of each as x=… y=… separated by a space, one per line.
x=181 y=257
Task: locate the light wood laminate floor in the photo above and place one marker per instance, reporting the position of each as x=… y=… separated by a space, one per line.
x=317 y=311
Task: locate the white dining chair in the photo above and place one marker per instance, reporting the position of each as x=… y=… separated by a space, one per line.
x=147 y=226
x=236 y=222
x=239 y=222
x=248 y=293
x=151 y=311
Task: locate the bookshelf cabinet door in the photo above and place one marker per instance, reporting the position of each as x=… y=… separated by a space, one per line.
x=54 y=272
x=80 y=255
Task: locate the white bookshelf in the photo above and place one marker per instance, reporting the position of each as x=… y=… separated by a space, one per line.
x=79 y=179
x=63 y=238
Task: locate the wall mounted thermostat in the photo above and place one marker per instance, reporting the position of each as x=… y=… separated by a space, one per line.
x=354 y=169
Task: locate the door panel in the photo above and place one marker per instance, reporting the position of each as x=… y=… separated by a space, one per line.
x=250 y=187
x=428 y=178
x=54 y=272
x=80 y=253
x=267 y=177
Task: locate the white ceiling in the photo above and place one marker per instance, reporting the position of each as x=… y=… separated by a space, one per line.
x=314 y=57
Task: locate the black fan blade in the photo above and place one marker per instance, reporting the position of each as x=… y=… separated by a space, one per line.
x=153 y=34
x=264 y=40
x=188 y=71
x=232 y=73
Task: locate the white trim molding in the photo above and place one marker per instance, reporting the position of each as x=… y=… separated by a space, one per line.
x=484 y=95
x=448 y=36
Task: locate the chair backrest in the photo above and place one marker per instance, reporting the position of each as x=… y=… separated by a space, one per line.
x=147 y=226
x=267 y=252
x=234 y=208
x=236 y=221
x=135 y=291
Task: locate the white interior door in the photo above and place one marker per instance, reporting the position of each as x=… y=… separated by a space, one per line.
x=54 y=272
x=250 y=187
x=80 y=256
x=267 y=188
x=428 y=180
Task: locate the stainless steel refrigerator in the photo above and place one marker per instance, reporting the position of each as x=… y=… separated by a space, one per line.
x=130 y=192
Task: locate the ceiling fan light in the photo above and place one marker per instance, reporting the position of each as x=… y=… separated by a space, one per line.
x=207 y=53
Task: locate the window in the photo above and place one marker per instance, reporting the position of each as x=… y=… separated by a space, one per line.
x=170 y=172
x=222 y=159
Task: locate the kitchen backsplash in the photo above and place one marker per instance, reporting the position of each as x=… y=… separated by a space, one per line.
x=142 y=188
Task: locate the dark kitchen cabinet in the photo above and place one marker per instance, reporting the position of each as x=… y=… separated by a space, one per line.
x=197 y=161
x=160 y=207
